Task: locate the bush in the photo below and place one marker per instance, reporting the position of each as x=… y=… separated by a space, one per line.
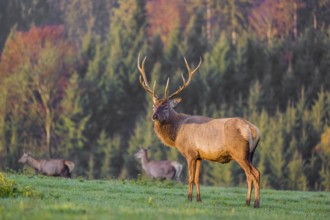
x=8 y=188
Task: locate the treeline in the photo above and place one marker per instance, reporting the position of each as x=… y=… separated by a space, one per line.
x=69 y=82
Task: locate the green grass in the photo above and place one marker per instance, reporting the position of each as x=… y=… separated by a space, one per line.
x=61 y=198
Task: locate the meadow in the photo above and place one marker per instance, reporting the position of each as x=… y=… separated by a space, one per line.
x=59 y=198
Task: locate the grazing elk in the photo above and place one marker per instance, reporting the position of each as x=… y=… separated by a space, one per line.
x=162 y=169
x=51 y=167
x=201 y=138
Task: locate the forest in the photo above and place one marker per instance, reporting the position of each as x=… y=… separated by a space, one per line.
x=69 y=84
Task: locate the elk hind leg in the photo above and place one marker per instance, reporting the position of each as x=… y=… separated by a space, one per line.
x=253 y=178
x=256 y=183
x=249 y=183
x=171 y=174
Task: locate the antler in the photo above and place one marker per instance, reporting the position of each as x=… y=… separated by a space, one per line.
x=143 y=80
x=185 y=83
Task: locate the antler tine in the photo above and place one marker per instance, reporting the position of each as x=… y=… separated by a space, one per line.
x=143 y=78
x=191 y=74
x=166 y=87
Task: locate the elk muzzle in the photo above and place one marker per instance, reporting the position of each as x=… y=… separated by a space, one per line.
x=155 y=117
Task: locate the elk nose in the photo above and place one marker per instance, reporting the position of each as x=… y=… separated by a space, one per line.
x=154 y=116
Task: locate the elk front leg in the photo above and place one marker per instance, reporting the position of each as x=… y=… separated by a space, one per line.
x=197 y=172
x=191 y=176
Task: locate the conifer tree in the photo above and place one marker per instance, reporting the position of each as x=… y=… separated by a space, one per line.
x=296 y=177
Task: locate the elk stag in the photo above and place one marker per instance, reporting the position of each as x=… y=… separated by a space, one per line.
x=162 y=169
x=51 y=167
x=201 y=138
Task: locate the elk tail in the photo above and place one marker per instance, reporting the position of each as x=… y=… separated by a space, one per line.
x=254 y=139
x=178 y=169
x=69 y=165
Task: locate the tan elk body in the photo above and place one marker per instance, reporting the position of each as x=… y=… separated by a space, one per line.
x=201 y=138
x=51 y=167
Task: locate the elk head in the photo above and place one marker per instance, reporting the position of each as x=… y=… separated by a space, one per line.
x=24 y=157
x=143 y=152
x=163 y=107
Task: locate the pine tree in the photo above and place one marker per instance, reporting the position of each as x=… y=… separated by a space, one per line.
x=323 y=150
x=110 y=152
x=296 y=177
x=70 y=128
x=212 y=71
x=275 y=154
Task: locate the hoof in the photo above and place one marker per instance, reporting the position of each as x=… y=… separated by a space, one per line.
x=256 y=204
x=248 y=202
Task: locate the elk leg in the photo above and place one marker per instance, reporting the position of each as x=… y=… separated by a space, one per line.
x=256 y=183
x=197 y=172
x=252 y=176
x=171 y=174
x=249 y=183
x=191 y=176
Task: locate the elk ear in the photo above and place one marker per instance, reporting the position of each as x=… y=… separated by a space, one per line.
x=174 y=102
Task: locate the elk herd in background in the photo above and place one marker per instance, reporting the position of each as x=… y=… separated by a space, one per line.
x=196 y=137
x=164 y=169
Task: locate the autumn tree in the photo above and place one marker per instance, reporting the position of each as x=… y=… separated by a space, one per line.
x=25 y=14
x=43 y=60
x=172 y=12
x=275 y=19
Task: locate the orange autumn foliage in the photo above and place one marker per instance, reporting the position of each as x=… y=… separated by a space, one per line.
x=40 y=58
x=164 y=16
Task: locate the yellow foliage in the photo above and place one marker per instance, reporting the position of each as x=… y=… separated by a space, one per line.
x=324 y=146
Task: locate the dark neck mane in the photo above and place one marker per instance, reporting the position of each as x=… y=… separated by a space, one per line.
x=167 y=131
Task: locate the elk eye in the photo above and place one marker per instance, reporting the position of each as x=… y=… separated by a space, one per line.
x=166 y=108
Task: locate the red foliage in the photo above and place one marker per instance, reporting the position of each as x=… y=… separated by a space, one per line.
x=164 y=16
x=274 y=18
x=41 y=57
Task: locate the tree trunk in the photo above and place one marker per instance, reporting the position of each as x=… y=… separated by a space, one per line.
x=208 y=21
x=314 y=21
x=295 y=22
x=3 y=97
x=48 y=130
x=91 y=166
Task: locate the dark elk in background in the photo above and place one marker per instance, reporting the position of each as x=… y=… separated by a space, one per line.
x=51 y=167
x=159 y=169
x=199 y=137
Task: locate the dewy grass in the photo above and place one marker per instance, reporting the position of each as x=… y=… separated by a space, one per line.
x=144 y=199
